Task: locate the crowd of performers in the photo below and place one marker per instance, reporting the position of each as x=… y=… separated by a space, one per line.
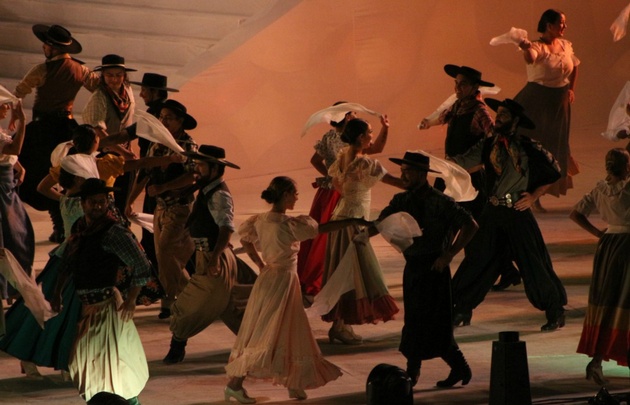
x=88 y=178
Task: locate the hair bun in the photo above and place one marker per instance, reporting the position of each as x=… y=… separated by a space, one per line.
x=269 y=195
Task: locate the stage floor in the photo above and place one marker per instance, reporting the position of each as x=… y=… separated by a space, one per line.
x=557 y=373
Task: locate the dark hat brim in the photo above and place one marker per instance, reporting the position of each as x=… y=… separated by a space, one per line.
x=104 y=190
x=524 y=121
x=189 y=121
x=102 y=67
x=420 y=166
x=454 y=70
x=154 y=87
x=211 y=159
x=41 y=32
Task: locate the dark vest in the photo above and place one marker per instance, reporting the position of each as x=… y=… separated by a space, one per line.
x=93 y=267
x=458 y=136
x=64 y=79
x=541 y=171
x=200 y=222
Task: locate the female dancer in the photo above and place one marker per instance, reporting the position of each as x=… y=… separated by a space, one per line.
x=275 y=340
x=110 y=109
x=313 y=251
x=16 y=233
x=552 y=71
x=354 y=174
x=606 y=330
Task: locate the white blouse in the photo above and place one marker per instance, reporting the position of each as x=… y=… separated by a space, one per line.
x=552 y=69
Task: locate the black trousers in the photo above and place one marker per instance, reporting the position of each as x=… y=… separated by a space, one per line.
x=507 y=234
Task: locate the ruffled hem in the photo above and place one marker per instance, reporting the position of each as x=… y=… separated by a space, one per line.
x=364 y=310
x=291 y=372
x=610 y=344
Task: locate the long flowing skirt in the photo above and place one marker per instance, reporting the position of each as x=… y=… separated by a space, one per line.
x=313 y=251
x=550 y=110
x=368 y=300
x=108 y=354
x=275 y=341
x=17 y=231
x=606 y=330
x=51 y=346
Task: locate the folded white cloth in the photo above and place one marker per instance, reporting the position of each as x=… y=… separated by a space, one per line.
x=453 y=97
x=618 y=119
x=513 y=36
x=335 y=113
x=26 y=286
x=6 y=96
x=398 y=230
x=619 y=26
x=144 y=220
x=149 y=127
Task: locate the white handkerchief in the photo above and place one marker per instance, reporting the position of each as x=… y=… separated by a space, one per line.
x=144 y=220
x=149 y=127
x=399 y=229
x=513 y=36
x=618 y=118
x=619 y=26
x=335 y=113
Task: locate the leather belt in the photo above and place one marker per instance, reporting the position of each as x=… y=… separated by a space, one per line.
x=168 y=202
x=42 y=116
x=507 y=200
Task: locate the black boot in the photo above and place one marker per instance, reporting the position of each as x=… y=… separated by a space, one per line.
x=555 y=320
x=413 y=371
x=177 y=352
x=461 y=317
x=57 y=235
x=460 y=370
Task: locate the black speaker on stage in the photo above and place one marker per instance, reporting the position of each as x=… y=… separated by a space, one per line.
x=509 y=374
x=387 y=385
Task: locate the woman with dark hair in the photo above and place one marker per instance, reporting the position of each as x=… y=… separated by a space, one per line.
x=312 y=252
x=552 y=70
x=275 y=340
x=353 y=174
x=606 y=330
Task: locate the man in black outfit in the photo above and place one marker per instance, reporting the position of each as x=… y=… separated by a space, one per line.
x=518 y=171
x=428 y=332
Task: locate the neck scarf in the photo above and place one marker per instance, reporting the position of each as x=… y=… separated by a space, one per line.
x=503 y=147
x=120 y=100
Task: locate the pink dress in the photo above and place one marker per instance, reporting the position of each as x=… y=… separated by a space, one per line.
x=275 y=340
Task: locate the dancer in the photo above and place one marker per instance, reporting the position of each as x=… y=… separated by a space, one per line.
x=16 y=233
x=108 y=354
x=110 y=110
x=518 y=170
x=354 y=174
x=173 y=245
x=606 y=330
x=428 y=332
x=552 y=71
x=208 y=294
x=275 y=340
x=313 y=251
x=56 y=82
x=468 y=121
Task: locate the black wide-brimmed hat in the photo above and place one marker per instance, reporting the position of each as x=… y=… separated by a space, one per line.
x=154 y=81
x=212 y=154
x=180 y=110
x=515 y=108
x=57 y=37
x=416 y=159
x=113 y=61
x=93 y=186
x=472 y=74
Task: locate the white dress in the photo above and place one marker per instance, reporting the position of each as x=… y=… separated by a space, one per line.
x=275 y=340
x=354 y=289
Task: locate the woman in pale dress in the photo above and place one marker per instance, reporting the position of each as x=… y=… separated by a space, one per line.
x=275 y=341
x=354 y=174
x=606 y=330
x=552 y=70
x=313 y=251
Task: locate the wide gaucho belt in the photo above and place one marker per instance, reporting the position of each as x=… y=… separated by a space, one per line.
x=507 y=200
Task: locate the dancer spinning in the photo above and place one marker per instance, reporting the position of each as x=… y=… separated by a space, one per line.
x=275 y=340
x=606 y=330
x=313 y=251
x=354 y=174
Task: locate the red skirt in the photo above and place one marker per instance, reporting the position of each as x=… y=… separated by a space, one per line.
x=313 y=251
